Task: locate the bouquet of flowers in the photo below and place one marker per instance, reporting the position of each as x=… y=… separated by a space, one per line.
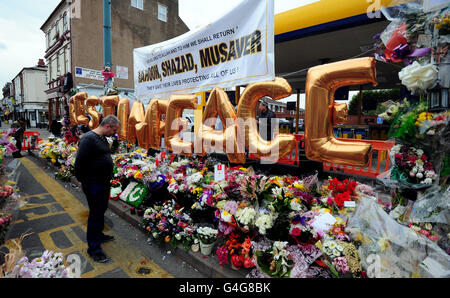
x=206 y=235
x=275 y=261
x=64 y=174
x=49 y=265
x=5 y=221
x=168 y=223
x=238 y=250
x=412 y=165
x=341 y=192
x=342 y=258
x=442 y=23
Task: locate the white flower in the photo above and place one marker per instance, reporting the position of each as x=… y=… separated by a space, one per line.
x=430 y=174
x=296 y=204
x=277 y=191
x=246 y=216
x=419 y=152
x=415 y=169
x=428 y=181
x=419 y=175
x=418 y=77
x=178 y=236
x=264 y=222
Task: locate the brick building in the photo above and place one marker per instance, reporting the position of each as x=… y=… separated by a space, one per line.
x=74 y=34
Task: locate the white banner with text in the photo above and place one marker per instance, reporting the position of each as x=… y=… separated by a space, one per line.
x=237 y=49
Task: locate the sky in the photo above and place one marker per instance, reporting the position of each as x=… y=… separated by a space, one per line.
x=22 y=43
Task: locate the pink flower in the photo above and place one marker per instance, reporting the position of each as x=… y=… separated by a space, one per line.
x=424 y=232
x=330 y=201
x=433 y=238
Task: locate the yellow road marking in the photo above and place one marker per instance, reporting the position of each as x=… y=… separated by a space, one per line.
x=123 y=254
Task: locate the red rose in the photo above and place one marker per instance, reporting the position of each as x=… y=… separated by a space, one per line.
x=296 y=232
x=248 y=263
x=237 y=261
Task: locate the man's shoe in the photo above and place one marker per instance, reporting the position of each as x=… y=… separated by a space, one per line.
x=100 y=257
x=106 y=238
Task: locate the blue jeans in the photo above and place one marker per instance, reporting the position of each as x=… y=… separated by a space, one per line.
x=97 y=196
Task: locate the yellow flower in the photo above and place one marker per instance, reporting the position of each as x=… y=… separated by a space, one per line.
x=138 y=175
x=340 y=221
x=243 y=169
x=300 y=187
x=383 y=243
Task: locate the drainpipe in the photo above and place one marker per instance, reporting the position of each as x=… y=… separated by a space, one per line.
x=107 y=47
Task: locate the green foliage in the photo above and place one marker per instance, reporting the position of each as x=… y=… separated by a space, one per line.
x=379 y=96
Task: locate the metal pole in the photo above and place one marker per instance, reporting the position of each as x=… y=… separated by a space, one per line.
x=360 y=104
x=107 y=47
x=298 y=111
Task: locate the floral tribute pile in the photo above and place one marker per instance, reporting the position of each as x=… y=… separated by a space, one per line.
x=281 y=226
x=272 y=226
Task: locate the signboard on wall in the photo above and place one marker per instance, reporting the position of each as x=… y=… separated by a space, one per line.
x=122 y=72
x=87 y=73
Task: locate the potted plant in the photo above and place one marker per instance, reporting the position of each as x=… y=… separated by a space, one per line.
x=207 y=237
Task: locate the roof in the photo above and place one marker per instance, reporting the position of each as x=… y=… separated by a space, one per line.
x=42 y=68
x=329 y=31
x=53 y=13
x=325 y=14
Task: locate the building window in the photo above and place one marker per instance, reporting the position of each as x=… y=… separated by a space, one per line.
x=162 y=12
x=139 y=4
x=65 y=25
x=48 y=38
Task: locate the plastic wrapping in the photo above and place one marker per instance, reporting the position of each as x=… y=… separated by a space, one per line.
x=385 y=179
x=433 y=206
x=389 y=249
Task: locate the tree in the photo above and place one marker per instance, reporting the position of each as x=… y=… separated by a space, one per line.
x=371 y=99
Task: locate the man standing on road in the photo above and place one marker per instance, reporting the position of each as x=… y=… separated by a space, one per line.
x=94 y=169
x=265 y=119
x=20 y=125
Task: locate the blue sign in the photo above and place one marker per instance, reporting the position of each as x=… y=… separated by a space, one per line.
x=379 y=120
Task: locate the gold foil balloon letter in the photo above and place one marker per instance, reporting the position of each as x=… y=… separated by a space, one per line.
x=109 y=104
x=72 y=113
x=321 y=84
x=80 y=114
x=224 y=140
x=247 y=126
x=91 y=103
x=175 y=109
x=156 y=126
x=136 y=124
x=123 y=112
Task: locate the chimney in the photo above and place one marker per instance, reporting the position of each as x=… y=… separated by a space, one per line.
x=41 y=62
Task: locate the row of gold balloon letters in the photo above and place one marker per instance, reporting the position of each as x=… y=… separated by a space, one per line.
x=321 y=114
